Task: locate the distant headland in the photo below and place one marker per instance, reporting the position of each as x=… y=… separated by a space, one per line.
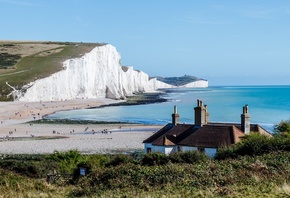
x=184 y=81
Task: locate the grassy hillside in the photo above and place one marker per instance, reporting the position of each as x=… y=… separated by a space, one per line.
x=23 y=62
x=178 y=81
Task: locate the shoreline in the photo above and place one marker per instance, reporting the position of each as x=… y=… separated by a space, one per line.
x=21 y=134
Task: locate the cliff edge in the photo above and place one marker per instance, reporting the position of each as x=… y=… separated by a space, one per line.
x=97 y=74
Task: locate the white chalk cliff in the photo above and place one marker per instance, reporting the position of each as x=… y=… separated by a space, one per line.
x=198 y=83
x=97 y=74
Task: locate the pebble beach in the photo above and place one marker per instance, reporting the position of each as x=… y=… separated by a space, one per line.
x=18 y=136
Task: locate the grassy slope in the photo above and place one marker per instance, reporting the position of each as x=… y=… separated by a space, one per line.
x=42 y=63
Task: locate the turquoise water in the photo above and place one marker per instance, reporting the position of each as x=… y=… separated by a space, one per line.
x=268 y=105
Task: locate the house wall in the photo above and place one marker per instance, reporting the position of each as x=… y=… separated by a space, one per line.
x=162 y=149
x=208 y=151
x=171 y=149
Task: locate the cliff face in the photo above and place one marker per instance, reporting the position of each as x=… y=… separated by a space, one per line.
x=97 y=74
x=198 y=83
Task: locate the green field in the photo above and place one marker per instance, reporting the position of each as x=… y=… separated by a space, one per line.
x=24 y=62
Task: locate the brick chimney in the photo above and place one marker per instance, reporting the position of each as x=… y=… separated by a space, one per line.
x=175 y=116
x=245 y=120
x=201 y=116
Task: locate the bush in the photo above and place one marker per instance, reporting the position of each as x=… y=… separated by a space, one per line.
x=283 y=128
x=154 y=158
x=34 y=166
x=255 y=144
x=67 y=161
x=188 y=157
x=8 y=59
x=120 y=159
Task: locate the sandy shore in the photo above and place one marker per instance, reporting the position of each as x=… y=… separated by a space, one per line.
x=19 y=137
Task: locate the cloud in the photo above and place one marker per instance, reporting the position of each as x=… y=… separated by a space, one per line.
x=20 y=3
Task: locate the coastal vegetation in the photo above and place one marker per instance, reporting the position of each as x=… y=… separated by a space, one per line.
x=155 y=175
x=7 y=60
x=68 y=121
x=282 y=128
x=256 y=167
x=141 y=98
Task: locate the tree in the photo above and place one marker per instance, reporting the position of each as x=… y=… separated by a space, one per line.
x=282 y=128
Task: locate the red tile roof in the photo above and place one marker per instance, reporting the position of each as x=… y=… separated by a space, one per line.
x=172 y=134
x=212 y=135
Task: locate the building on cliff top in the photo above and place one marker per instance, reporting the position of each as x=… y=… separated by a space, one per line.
x=202 y=135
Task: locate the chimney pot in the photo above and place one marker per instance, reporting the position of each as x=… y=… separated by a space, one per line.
x=175 y=116
x=245 y=120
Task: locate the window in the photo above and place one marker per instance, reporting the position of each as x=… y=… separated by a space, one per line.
x=148 y=150
x=200 y=149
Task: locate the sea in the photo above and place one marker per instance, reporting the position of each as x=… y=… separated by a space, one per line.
x=268 y=105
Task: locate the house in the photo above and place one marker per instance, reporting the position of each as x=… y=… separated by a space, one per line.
x=202 y=135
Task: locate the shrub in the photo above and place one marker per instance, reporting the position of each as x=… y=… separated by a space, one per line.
x=226 y=152
x=67 y=161
x=154 y=158
x=283 y=128
x=120 y=159
x=8 y=59
x=254 y=144
x=28 y=165
x=188 y=157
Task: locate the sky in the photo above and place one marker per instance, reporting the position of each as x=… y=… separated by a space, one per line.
x=227 y=42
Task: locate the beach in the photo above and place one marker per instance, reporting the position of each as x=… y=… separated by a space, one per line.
x=17 y=136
